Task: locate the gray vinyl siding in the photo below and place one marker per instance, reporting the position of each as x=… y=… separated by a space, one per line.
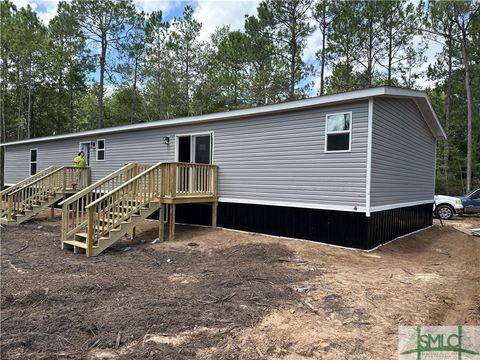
x=270 y=158
x=403 y=154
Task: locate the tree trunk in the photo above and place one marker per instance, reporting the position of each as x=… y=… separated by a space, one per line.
x=469 y=112
x=293 y=64
x=103 y=55
x=29 y=107
x=322 y=65
x=448 y=102
x=133 y=103
x=370 y=52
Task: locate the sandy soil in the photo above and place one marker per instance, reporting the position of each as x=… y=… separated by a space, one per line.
x=217 y=294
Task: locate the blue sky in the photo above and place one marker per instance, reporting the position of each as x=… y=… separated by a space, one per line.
x=212 y=14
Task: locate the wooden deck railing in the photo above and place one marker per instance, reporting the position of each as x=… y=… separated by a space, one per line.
x=57 y=180
x=109 y=211
x=188 y=180
x=4 y=193
x=74 y=214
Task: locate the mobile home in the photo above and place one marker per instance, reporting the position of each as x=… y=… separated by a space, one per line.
x=355 y=169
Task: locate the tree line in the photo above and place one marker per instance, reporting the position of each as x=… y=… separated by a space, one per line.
x=105 y=63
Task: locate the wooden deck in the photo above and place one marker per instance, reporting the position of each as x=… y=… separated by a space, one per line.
x=102 y=213
x=25 y=199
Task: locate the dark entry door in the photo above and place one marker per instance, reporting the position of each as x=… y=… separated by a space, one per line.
x=184 y=149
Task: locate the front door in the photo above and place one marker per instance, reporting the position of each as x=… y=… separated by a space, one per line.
x=195 y=149
x=85 y=147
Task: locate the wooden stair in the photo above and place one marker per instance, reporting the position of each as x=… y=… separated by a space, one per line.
x=27 y=198
x=111 y=234
x=100 y=215
x=30 y=211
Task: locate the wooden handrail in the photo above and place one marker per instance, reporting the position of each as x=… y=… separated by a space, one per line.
x=110 y=210
x=74 y=213
x=40 y=189
x=27 y=180
x=132 y=180
x=94 y=186
x=38 y=180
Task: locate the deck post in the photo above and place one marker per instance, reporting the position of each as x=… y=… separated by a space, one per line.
x=214 y=214
x=161 y=224
x=9 y=208
x=52 y=211
x=171 y=223
x=90 y=232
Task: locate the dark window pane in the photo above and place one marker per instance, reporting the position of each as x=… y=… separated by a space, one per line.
x=33 y=168
x=33 y=155
x=337 y=142
x=101 y=155
x=101 y=144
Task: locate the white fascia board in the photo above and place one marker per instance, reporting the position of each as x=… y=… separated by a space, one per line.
x=237 y=114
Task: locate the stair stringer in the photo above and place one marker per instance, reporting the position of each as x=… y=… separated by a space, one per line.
x=117 y=233
x=30 y=213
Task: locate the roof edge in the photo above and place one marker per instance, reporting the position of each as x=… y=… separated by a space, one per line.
x=262 y=110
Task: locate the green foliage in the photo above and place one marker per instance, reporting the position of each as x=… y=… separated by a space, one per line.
x=55 y=77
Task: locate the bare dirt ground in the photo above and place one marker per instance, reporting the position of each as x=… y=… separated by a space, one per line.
x=217 y=294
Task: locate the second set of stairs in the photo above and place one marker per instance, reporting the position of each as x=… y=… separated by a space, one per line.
x=27 y=198
x=106 y=211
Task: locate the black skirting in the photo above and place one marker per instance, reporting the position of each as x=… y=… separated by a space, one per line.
x=343 y=228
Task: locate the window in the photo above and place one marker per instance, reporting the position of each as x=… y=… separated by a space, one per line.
x=338 y=132
x=33 y=161
x=100 y=149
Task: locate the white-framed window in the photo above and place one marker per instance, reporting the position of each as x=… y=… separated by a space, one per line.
x=338 y=132
x=100 y=149
x=33 y=161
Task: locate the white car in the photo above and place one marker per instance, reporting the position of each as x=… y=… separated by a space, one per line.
x=447 y=206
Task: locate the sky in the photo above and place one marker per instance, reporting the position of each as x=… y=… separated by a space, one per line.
x=213 y=14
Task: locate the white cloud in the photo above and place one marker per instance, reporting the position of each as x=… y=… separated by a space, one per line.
x=213 y=14
x=314 y=43
x=46 y=9
x=154 y=5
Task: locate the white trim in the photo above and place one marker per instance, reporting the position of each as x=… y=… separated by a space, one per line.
x=369 y=157
x=339 y=132
x=398 y=238
x=427 y=112
x=97 y=148
x=360 y=209
x=400 y=205
x=33 y=162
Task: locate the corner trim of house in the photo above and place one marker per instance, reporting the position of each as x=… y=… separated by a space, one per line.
x=401 y=205
x=369 y=157
x=360 y=209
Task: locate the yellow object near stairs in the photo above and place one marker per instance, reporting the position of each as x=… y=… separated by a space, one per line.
x=27 y=198
x=101 y=214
